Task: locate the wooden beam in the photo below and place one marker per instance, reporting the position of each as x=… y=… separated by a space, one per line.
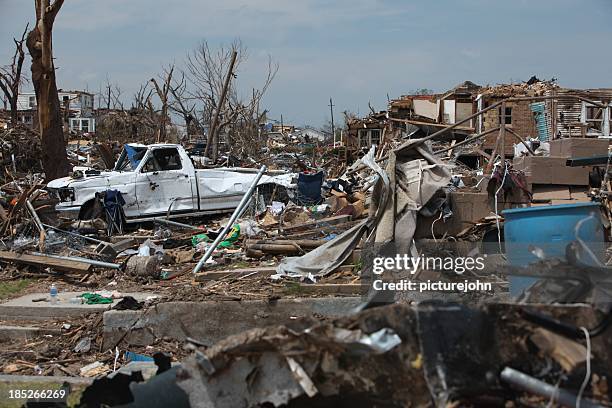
x=247 y=272
x=302 y=243
x=45 y=261
x=466 y=141
x=339 y=219
x=516 y=135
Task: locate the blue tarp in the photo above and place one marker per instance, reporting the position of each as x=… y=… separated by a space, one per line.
x=131 y=154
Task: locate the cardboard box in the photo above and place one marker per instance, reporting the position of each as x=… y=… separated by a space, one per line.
x=551 y=170
x=551 y=194
x=547 y=192
x=468 y=207
x=579 y=147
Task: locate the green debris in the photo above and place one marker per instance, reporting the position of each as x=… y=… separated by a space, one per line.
x=232 y=236
x=95 y=299
x=196 y=239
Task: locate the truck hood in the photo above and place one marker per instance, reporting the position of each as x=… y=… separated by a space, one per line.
x=91 y=180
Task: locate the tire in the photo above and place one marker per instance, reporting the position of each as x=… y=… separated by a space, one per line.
x=92 y=209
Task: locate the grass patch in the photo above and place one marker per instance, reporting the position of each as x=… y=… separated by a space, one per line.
x=12 y=288
x=293 y=288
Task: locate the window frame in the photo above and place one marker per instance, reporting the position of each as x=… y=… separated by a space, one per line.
x=507 y=116
x=152 y=157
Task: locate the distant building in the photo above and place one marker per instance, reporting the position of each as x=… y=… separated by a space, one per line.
x=283 y=128
x=309 y=135
x=77 y=107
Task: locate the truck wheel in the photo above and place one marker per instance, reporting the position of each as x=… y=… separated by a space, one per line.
x=92 y=209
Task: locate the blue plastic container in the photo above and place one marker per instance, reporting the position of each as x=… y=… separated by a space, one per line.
x=550 y=229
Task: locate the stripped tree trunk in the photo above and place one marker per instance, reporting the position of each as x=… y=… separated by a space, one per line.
x=39 y=42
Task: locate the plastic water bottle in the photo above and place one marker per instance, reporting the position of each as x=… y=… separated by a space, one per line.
x=53 y=294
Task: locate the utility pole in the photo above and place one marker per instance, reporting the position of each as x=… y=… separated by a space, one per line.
x=331 y=110
x=282 y=127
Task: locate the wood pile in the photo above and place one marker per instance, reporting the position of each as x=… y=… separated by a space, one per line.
x=20 y=151
x=532 y=87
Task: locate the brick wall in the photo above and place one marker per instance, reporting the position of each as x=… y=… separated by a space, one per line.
x=523 y=123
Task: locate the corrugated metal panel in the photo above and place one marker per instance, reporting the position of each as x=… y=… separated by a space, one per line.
x=542 y=125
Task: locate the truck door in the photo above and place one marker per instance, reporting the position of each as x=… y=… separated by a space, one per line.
x=163 y=183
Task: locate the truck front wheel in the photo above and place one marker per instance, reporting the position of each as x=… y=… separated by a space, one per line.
x=91 y=210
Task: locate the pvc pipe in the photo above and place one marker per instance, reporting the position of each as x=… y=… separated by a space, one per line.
x=535 y=386
x=237 y=212
x=74 y=234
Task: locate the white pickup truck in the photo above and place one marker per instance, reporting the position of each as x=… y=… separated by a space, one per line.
x=160 y=180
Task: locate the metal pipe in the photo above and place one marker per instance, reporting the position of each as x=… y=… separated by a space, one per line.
x=79 y=259
x=176 y=224
x=243 y=203
x=74 y=234
x=535 y=386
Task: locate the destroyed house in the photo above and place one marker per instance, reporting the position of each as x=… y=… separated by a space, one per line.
x=363 y=133
x=77 y=106
x=448 y=108
x=520 y=117
x=548 y=119
x=430 y=113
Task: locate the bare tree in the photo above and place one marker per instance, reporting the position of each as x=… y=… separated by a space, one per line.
x=163 y=95
x=11 y=78
x=207 y=71
x=110 y=96
x=39 y=42
x=181 y=105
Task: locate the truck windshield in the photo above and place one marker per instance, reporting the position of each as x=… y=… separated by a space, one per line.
x=130 y=158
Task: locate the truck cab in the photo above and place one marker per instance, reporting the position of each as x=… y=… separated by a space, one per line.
x=159 y=180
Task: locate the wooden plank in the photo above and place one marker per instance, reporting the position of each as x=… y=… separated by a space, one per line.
x=320 y=231
x=278 y=249
x=339 y=219
x=239 y=273
x=302 y=243
x=45 y=261
x=236 y=273
x=568 y=353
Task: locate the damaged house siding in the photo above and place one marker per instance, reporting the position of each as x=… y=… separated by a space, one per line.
x=575 y=118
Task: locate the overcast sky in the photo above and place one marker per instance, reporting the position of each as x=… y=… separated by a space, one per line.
x=352 y=50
